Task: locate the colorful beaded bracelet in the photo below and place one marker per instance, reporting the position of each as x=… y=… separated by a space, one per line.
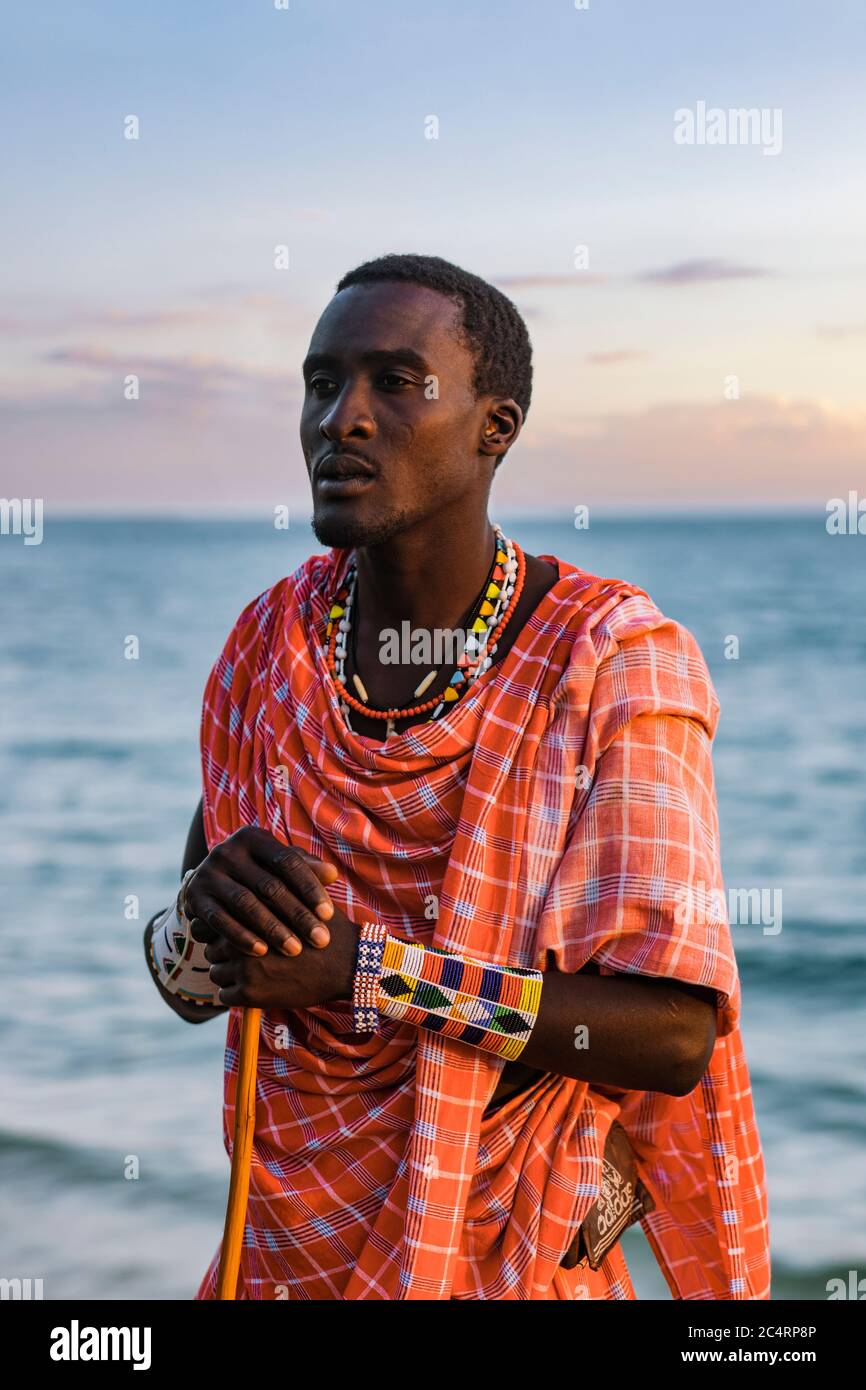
x=365 y=984
x=493 y=1007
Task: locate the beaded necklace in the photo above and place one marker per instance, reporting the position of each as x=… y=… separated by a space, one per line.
x=493 y=608
x=352 y=642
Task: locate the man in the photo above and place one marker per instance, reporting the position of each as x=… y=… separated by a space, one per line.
x=526 y=830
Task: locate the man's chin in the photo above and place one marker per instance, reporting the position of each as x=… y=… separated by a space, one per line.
x=352 y=532
x=343 y=533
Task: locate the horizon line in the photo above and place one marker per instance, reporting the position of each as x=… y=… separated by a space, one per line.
x=606 y=511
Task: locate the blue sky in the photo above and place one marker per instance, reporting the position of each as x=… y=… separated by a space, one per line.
x=306 y=127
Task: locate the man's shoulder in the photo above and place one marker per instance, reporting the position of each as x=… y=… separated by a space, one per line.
x=627 y=652
x=604 y=608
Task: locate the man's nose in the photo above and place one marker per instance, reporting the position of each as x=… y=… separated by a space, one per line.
x=349 y=415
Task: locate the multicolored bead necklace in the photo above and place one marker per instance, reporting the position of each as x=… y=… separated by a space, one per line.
x=493 y=608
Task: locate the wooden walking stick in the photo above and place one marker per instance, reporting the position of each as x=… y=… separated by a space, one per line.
x=242 y=1148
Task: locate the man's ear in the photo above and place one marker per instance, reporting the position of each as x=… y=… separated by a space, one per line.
x=505 y=420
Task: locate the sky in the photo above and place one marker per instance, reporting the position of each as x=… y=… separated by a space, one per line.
x=706 y=349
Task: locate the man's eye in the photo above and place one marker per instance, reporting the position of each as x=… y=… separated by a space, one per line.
x=395 y=379
x=320 y=383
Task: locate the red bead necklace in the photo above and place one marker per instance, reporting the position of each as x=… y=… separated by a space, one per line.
x=394 y=712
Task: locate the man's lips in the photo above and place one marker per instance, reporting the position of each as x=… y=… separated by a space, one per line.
x=343 y=475
x=344 y=466
x=345 y=487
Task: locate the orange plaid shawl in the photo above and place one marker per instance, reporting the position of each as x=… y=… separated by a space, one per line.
x=564 y=806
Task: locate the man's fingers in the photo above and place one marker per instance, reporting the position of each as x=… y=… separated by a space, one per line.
x=288 y=907
x=219 y=951
x=200 y=931
x=224 y=973
x=231 y=988
x=230 y=893
x=233 y=997
x=213 y=921
x=312 y=859
x=325 y=869
x=304 y=875
x=253 y=888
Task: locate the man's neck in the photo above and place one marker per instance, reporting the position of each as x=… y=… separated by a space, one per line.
x=429 y=579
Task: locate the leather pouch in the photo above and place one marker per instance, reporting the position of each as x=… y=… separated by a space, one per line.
x=623 y=1200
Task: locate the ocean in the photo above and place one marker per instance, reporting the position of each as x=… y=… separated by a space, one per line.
x=113 y=1177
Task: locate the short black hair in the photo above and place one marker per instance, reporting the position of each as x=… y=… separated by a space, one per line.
x=492 y=326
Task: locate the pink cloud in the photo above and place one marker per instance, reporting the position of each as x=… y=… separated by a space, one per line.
x=577 y=279
x=613 y=359
x=84 y=320
x=700 y=272
x=842 y=331
x=155 y=455
x=189 y=374
x=767 y=450
x=217 y=306
x=695 y=272
x=213 y=452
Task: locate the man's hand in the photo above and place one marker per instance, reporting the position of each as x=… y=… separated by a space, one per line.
x=276 y=981
x=256 y=893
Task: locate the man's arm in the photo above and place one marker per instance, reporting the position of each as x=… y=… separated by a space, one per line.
x=194 y=853
x=641 y=1034
x=256 y=891
x=196 y=844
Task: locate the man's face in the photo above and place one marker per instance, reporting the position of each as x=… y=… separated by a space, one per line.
x=388 y=380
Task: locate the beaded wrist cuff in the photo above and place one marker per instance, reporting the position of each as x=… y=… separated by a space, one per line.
x=178 y=960
x=365 y=985
x=494 y=1007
